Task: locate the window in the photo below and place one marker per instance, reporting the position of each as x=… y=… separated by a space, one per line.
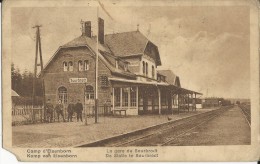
x=65 y=66
x=133 y=96
x=163 y=78
x=143 y=67
x=80 y=65
x=163 y=98
x=158 y=77
x=104 y=81
x=125 y=66
x=70 y=66
x=89 y=92
x=153 y=71
x=125 y=97
x=116 y=63
x=62 y=95
x=117 y=96
x=86 y=65
x=146 y=66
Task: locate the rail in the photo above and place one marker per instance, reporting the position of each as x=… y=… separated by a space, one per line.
x=246 y=110
x=174 y=128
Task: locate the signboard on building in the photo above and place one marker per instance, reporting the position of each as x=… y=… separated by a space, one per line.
x=78 y=80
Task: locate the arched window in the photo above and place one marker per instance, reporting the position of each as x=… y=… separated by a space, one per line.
x=70 y=66
x=153 y=71
x=89 y=92
x=146 y=66
x=80 y=65
x=86 y=65
x=62 y=95
x=65 y=66
x=125 y=66
x=143 y=67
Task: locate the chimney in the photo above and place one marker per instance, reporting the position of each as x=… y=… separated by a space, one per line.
x=101 y=37
x=87 y=29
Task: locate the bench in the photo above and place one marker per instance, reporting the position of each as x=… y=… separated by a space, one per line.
x=120 y=111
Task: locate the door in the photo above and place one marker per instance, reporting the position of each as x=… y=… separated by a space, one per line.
x=63 y=96
x=89 y=102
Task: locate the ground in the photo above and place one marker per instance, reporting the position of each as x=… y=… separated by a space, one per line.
x=229 y=128
x=70 y=134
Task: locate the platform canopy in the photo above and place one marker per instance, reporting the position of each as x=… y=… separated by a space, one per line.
x=180 y=90
x=174 y=88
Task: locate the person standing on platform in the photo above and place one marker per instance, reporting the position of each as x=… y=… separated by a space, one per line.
x=49 y=111
x=59 y=110
x=70 y=111
x=79 y=109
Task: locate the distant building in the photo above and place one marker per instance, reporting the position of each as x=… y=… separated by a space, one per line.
x=128 y=78
x=215 y=102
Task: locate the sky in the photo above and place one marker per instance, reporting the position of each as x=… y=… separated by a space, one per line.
x=206 y=46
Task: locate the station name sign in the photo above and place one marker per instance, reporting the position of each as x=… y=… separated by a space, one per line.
x=78 y=80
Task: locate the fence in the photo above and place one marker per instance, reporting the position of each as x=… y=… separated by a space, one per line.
x=26 y=114
x=22 y=115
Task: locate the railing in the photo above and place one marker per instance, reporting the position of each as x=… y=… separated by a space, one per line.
x=27 y=114
x=22 y=115
x=103 y=110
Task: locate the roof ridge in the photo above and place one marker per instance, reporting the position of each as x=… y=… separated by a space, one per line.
x=122 y=32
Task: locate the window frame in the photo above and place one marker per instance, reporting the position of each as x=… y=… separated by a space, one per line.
x=117 y=97
x=133 y=100
x=70 y=67
x=65 y=66
x=146 y=67
x=153 y=72
x=80 y=66
x=86 y=65
x=125 y=97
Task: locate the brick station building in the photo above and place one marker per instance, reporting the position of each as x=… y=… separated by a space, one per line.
x=128 y=79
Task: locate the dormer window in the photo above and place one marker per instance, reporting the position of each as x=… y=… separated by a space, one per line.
x=126 y=67
x=158 y=78
x=70 y=66
x=86 y=65
x=153 y=71
x=143 y=67
x=80 y=64
x=65 y=66
x=116 y=63
x=146 y=67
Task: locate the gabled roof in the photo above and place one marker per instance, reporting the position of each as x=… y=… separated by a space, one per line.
x=83 y=41
x=129 y=44
x=113 y=69
x=126 y=43
x=171 y=78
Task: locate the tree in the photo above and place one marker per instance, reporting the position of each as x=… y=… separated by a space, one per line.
x=23 y=83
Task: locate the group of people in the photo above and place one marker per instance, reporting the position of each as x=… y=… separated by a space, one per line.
x=59 y=109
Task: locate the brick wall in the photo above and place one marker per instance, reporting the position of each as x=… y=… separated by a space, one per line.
x=55 y=76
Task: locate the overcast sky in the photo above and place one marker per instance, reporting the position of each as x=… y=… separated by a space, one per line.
x=207 y=47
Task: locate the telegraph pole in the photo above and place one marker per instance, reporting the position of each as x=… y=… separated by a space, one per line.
x=96 y=97
x=38 y=49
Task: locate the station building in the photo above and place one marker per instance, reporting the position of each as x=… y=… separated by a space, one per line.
x=128 y=79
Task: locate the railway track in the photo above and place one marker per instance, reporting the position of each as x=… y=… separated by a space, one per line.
x=168 y=135
x=160 y=135
x=246 y=110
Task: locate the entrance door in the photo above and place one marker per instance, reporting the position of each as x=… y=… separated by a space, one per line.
x=63 y=96
x=89 y=101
